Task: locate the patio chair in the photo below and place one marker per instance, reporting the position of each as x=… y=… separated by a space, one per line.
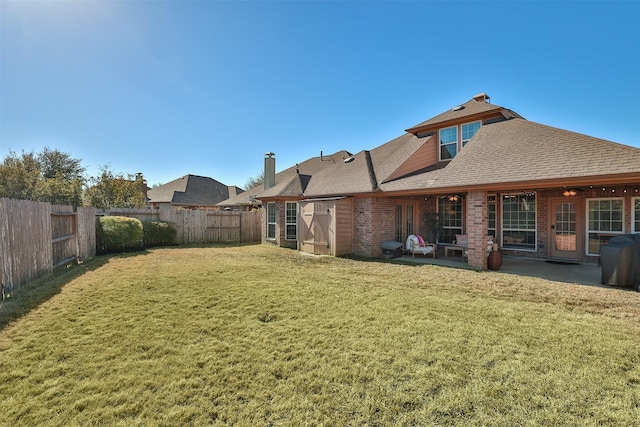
x=416 y=245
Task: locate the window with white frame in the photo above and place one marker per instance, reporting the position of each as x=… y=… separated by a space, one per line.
x=519 y=230
x=291 y=221
x=468 y=130
x=450 y=213
x=605 y=218
x=448 y=143
x=271 y=220
x=491 y=214
x=635 y=221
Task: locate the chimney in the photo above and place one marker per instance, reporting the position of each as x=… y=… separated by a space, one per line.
x=482 y=97
x=269 y=170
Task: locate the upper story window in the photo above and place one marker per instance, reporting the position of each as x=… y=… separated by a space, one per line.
x=468 y=130
x=448 y=143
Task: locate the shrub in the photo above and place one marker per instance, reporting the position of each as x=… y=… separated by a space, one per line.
x=158 y=233
x=118 y=234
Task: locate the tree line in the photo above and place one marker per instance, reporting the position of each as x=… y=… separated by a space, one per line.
x=56 y=177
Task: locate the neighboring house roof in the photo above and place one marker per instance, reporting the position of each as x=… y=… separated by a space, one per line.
x=290 y=182
x=191 y=190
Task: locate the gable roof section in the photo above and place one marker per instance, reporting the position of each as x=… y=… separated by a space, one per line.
x=342 y=178
x=470 y=110
x=424 y=155
x=190 y=190
x=519 y=151
x=296 y=185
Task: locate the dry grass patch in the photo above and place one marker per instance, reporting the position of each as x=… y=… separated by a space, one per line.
x=257 y=335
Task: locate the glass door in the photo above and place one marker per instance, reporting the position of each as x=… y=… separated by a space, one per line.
x=566 y=226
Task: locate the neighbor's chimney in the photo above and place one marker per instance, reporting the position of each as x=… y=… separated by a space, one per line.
x=269 y=170
x=482 y=97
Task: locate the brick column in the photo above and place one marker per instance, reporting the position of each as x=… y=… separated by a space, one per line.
x=477 y=229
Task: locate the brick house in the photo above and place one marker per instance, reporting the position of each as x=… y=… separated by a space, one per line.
x=476 y=170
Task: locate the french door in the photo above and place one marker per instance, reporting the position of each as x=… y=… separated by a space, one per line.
x=566 y=224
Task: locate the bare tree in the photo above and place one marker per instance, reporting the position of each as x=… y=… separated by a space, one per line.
x=254 y=181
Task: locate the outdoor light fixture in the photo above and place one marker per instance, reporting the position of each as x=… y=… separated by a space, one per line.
x=453 y=198
x=569 y=193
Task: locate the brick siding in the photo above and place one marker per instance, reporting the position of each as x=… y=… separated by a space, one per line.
x=477 y=230
x=374 y=222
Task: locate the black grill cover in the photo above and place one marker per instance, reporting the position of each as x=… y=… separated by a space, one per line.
x=620 y=261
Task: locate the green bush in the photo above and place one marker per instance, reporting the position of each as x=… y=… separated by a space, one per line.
x=118 y=234
x=158 y=233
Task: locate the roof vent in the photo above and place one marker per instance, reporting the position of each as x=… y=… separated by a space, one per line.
x=458 y=108
x=482 y=97
x=348 y=159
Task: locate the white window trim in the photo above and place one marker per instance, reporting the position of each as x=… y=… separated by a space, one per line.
x=462 y=140
x=456 y=142
x=587 y=230
x=271 y=223
x=287 y=223
x=634 y=200
x=503 y=229
x=495 y=230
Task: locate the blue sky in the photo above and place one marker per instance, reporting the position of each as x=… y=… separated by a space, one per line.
x=169 y=88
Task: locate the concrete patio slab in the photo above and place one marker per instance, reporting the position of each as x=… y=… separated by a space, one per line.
x=584 y=274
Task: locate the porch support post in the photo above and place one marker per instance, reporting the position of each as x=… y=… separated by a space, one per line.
x=477 y=229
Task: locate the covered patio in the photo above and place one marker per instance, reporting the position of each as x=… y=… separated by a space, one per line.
x=583 y=274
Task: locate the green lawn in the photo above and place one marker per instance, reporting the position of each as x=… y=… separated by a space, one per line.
x=258 y=335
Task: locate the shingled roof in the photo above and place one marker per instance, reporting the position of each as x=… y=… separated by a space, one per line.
x=511 y=154
x=290 y=182
x=475 y=107
x=519 y=151
x=368 y=169
x=190 y=190
x=507 y=152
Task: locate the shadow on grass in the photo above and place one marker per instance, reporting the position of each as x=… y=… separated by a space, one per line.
x=210 y=245
x=28 y=297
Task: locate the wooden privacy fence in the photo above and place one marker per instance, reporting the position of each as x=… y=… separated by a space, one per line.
x=37 y=237
x=203 y=226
